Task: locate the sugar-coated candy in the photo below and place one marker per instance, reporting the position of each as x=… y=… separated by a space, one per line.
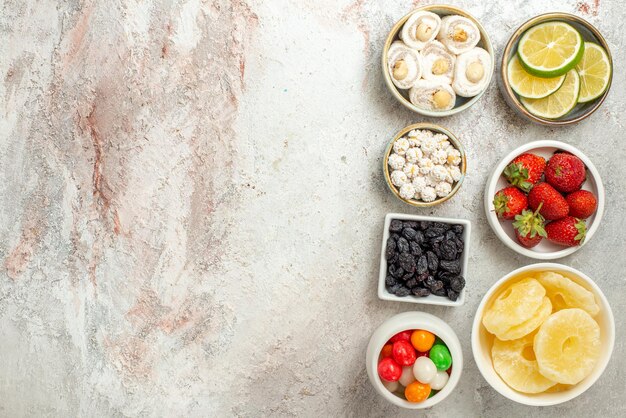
x=404 y=353
x=417 y=392
x=404 y=335
x=391 y=386
x=389 y=370
x=424 y=369
x=440 y=355
x=407 y=376
x=439 y=381
x=422 y=340
x=386 y=351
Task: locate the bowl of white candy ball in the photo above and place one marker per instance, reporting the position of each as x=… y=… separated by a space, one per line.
x=437 y=60
x=424 y=165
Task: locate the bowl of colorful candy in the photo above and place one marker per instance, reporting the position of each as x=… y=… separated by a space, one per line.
x=414 y=360
x=543 y=334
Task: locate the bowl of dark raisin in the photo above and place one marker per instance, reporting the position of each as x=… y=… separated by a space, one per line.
x=424 y=259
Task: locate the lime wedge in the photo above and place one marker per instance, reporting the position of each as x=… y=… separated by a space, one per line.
x=529 y=86
x=550 y=49
x=559 y=103
x=594 y=70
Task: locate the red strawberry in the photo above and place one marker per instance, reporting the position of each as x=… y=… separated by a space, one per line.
x=554 y=205
x=568 y=231
x=565 y=172
x=509 y=202
x=529 y=227
x=525 y=171
x=582 y=204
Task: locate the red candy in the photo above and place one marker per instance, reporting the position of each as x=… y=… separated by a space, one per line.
x=404 y=353
x=389 y=370
x=401 y=336
x=387 y=351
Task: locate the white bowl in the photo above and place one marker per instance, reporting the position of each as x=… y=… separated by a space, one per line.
x=403 y=322
x=504 y=230
x=482 y=340
x=430 y=299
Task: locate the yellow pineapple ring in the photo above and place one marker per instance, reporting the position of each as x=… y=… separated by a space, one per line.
x=515 y=362
x=515 y=305
x=567 y=346
x=526 y=327
x=565 y=293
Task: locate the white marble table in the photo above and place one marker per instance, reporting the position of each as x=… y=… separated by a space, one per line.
x=191 y=206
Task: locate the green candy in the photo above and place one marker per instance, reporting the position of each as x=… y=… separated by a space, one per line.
x=440 y=355
x=433 y=393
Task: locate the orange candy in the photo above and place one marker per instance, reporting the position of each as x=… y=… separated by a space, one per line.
x=422 y=340
x=417 y=392
x=386 y=351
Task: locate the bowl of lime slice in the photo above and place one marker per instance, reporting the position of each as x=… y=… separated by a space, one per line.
x=556 y=69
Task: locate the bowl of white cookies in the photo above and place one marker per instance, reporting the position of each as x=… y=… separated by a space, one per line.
x=424 y=165
x=438 y=60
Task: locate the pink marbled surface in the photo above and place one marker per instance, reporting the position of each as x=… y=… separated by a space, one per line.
x=191 y=206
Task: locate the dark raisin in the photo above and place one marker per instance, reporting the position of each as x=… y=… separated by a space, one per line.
x=441 y=225
x=410 y=224
x=409 y=233
x=450 y=235
x=395 y=225
x=439 y=292
x=420 y=291
x=419 y=237
x=390 y=250
x=425 y=225
x=430 y=282
x=457 y=284
x=422 y=277
x=433 y=262
x=422 y=265
x=393 y=259
x=433 y=232
x=396 y=271
x=403 y=291
x=411 y=283
x=390 y=281
x=452 y=295
x=416 y=250
x=403 y=245
x=436 y=249
x=394 y=288
x=448 y=250
x=444 y=276
x=459 y=245
x=407 y=262
x=451 y=266
x=407 y=276
x=394 y=236
x=458 y=229
x=437 y=285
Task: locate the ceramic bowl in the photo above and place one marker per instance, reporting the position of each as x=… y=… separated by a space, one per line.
x=581 y=111
x=437 y=129
x=462 y=103
x=384 y=294
x=482 y=340
x=504 y=229
x=406 y=321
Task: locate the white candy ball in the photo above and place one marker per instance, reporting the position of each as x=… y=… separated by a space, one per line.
x=443 y=189
x=401 y=145
x=398 y=178
x=407 y=376
x=407 y=191
x=424 y=369
x=439 y=381
x=396 y=162
x=391 y=386
x=428 y=194
x=413 y=155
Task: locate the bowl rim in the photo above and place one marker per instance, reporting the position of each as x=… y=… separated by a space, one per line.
x=435 y=128
x=383 y=294
x=494 y=222
x=488 y=46
x=418 y=320
x=496 y=382
x=510 y=95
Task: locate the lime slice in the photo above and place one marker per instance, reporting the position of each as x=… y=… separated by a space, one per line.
x=550 y=49
x=529 y=86
x=559 y=103
x=594 y=71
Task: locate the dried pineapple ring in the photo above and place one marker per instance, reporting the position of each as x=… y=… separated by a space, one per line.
x=515 y=363
x=526 y=327
x=567 y=346
x=565 y=293
x=515 y=305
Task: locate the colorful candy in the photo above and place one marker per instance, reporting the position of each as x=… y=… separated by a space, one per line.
x=404 y=353
x=417 y=392
x=416 y=363
x=440 y=355
x=422 y=340
x=389 y=370
x=424 y=370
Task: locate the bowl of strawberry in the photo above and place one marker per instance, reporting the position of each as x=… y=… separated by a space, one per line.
x=414 y=360
x=545 y=200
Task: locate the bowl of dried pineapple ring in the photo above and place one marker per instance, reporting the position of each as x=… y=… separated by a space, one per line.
x=543 y=334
